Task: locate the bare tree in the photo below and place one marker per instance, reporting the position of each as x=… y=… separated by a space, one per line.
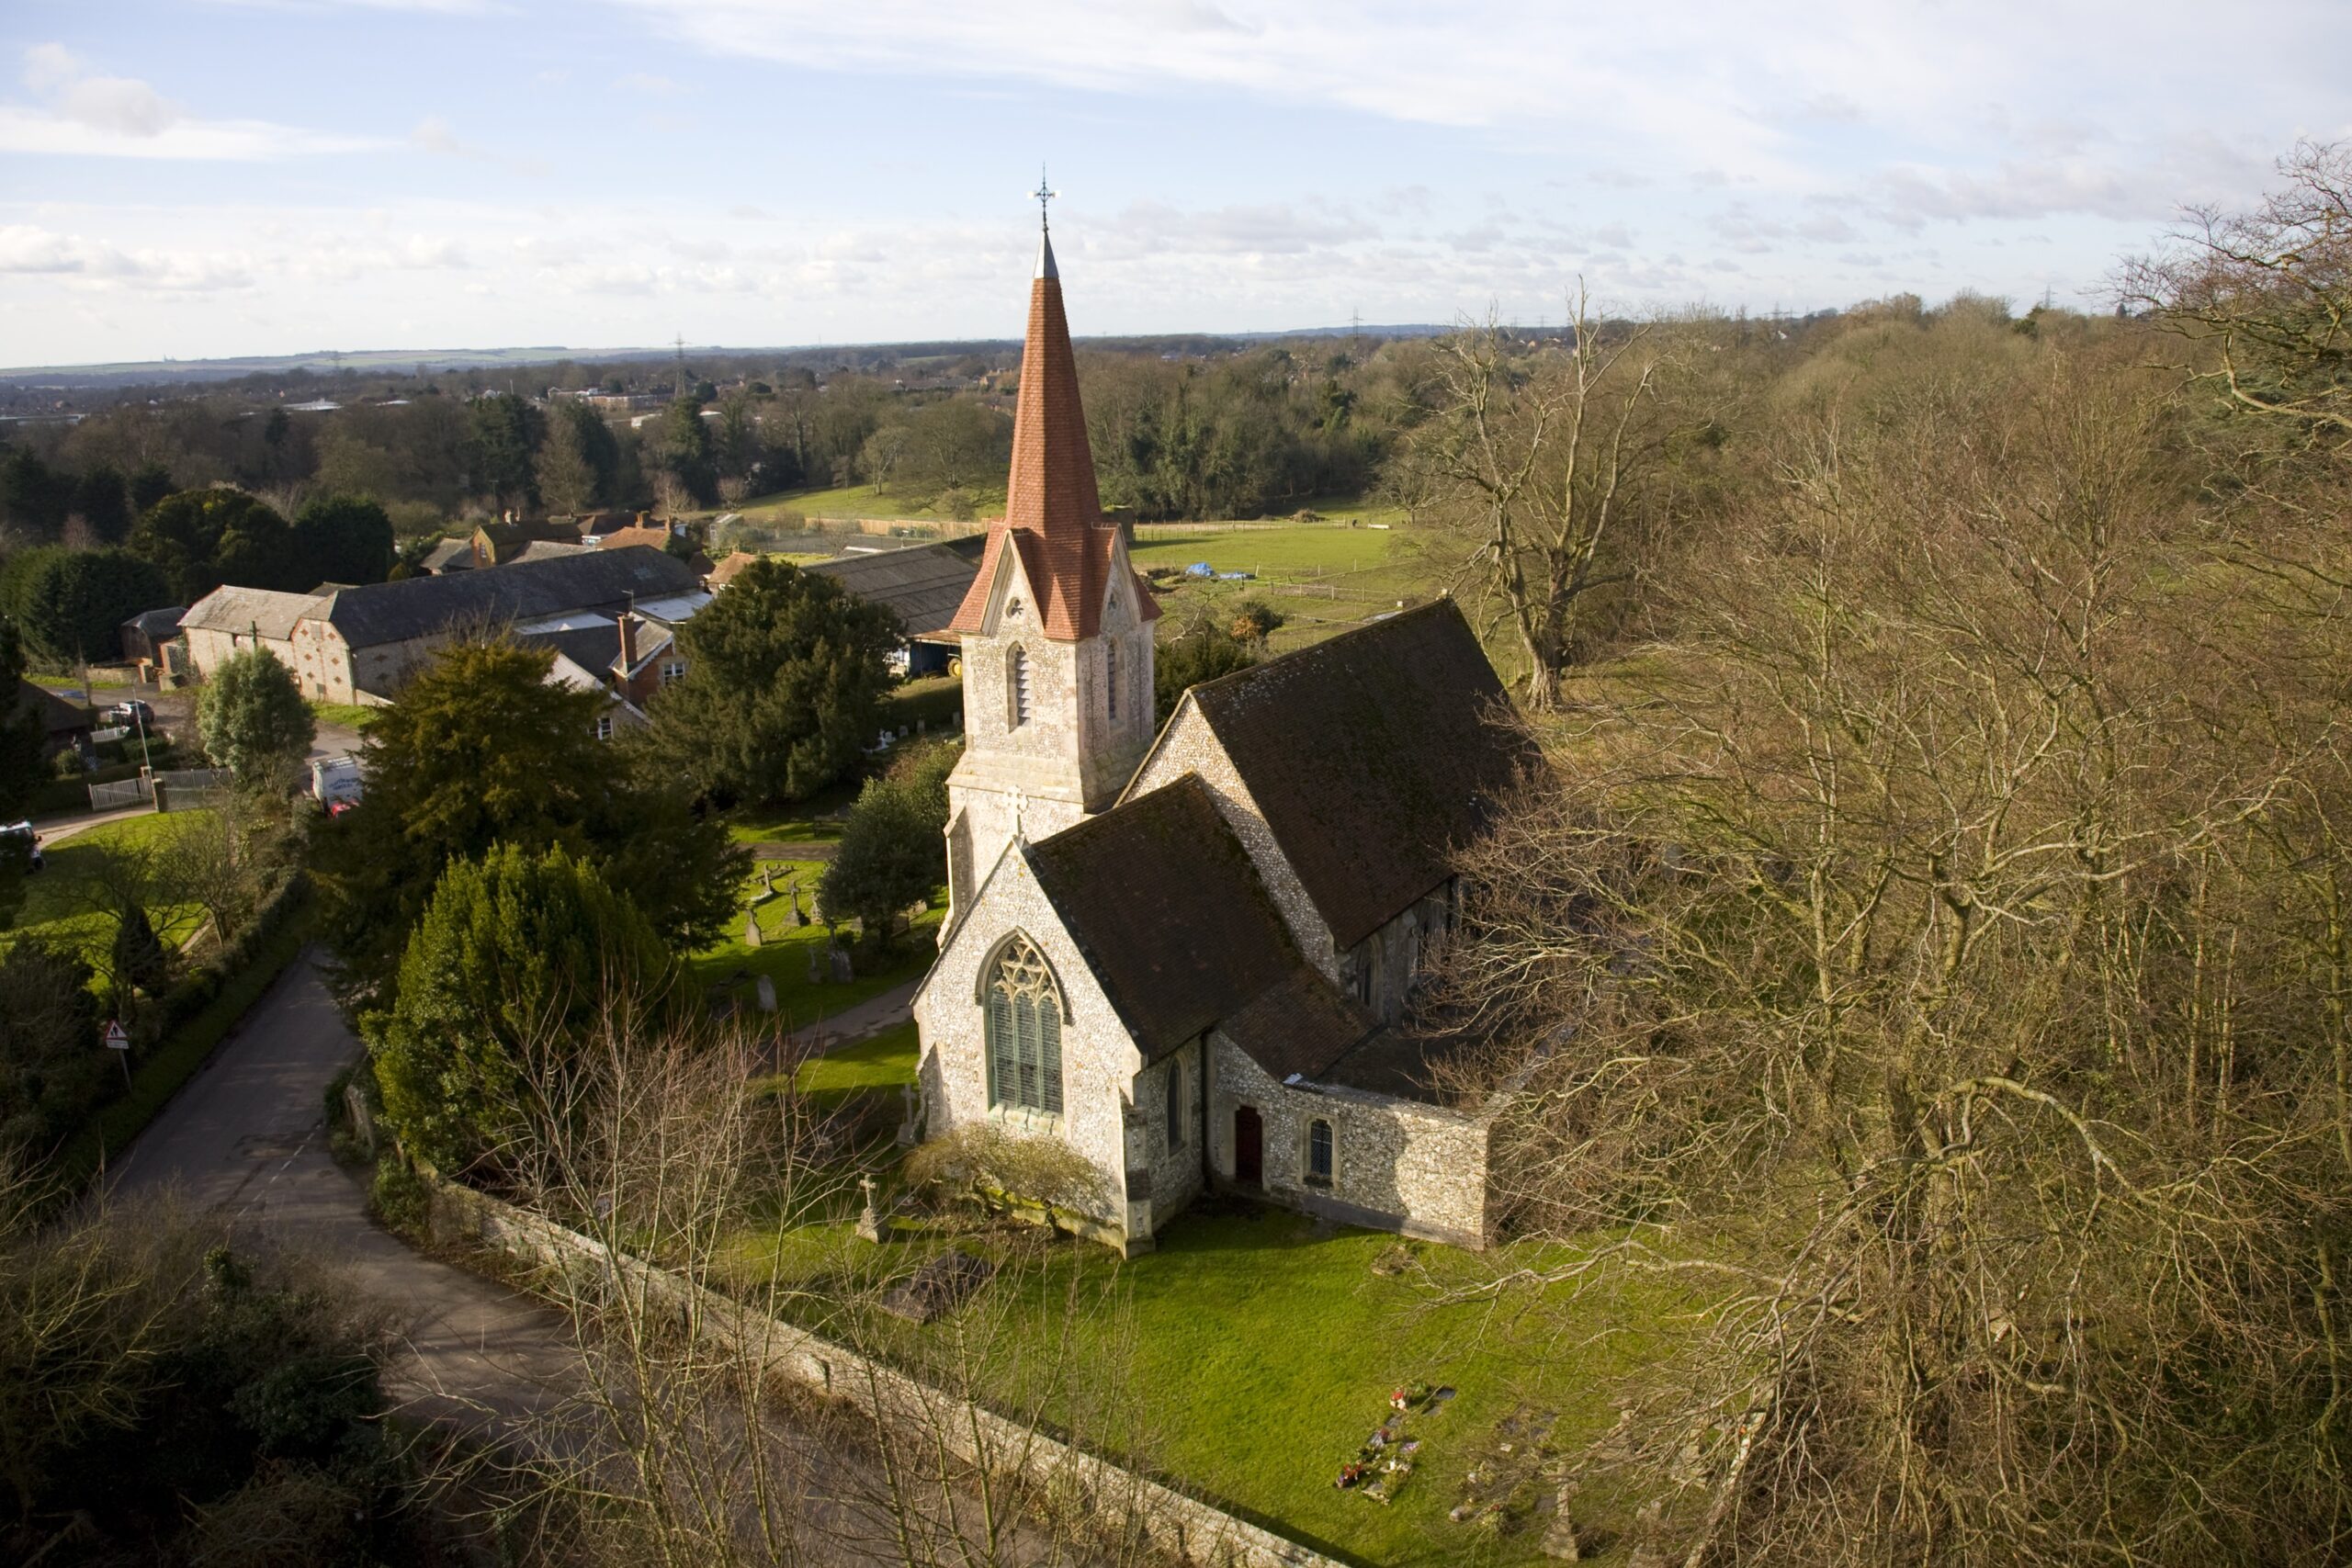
x=1929 y=981
x=1541 y=468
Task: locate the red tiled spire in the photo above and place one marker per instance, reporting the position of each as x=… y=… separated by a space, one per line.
x=1053 y=515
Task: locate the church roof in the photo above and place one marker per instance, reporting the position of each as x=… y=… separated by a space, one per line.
x=1053 y=515
x=1170 y=912
x=1370 y=757
x=1301 y=1025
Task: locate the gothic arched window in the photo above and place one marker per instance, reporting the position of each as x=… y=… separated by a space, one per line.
x=1319 y=1152
x=1016 y=679
x=1024 y=1031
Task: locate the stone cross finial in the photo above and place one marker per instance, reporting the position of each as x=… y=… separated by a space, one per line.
x=1043 y=194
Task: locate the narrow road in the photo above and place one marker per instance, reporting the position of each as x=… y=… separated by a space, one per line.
x=248 y=1138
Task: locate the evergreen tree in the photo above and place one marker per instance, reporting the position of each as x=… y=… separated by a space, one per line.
x=893 y=851
x=201 y=538
x=1202 y=651
x=21 y=734
x=516 y=958
x=150 y=482
x=102 y=503
x=480 y=750
x=140 y=962
x=34 y=498
x=567 y=478
x=504 y=432
x=785 y=678
x=343 y=539
x=70 y=604
x=254 y=720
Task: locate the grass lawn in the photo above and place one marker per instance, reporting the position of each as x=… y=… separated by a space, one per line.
x=810 y=821
x=1310 y=551
x=344 y=716
x=855 y=501
x=1323 y=577
x=786 y=948
x=881 y=1060
x=1262 y=1349
x=60 y=902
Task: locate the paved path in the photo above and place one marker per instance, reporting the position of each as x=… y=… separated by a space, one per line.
x=247 y=1138
x=57 y=829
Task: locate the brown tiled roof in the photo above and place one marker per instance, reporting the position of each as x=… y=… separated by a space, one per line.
x=1052 y=511
x=1300 y=1026
x=1371 y=756
x=653 y=535
x=727 y=570
x=1162 y=901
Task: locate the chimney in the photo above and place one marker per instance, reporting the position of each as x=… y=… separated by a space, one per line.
x=628 y=643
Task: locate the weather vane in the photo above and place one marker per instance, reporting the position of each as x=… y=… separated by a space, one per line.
x=1043 y=194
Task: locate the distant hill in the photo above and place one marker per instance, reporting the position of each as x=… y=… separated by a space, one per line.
x=327 y=361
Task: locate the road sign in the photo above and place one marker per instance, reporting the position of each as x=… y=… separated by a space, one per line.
x=118 y=1037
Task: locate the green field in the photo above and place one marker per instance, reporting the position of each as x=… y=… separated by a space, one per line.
x=1258 y=1348
x=61 y=902
x=1323 y=577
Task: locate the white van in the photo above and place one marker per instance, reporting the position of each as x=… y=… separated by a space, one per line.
x=335 y=781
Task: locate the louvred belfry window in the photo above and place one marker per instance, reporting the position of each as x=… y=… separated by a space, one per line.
x=1019 y=681
x=1024 y=1031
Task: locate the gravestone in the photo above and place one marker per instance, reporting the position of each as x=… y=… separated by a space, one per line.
x=767 y=880
x=843 y=972
x=907 y=1120
x=767 y=994
x=752 y=928
x=869 y=1223
x=813 y=975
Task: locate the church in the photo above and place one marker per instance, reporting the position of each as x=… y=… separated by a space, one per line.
x=1185 y=951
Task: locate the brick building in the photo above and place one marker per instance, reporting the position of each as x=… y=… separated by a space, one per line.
x=1187 y=955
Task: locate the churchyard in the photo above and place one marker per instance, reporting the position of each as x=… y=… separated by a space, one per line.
x=795 y=953
x=1257 y=1357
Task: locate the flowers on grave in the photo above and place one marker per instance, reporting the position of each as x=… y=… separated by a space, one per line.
x=1350 y=1474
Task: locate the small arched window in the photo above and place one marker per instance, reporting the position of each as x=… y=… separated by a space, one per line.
x=1110 y=678
x=1016 y=679
x=1319 y=1152
x=1023 y=1025
x=1175 y=1106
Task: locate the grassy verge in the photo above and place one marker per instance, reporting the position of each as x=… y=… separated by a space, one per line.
x=176 y=1057
x=344 y=716
x=1262 y=1347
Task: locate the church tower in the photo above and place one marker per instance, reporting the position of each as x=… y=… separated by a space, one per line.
x=1057 y=628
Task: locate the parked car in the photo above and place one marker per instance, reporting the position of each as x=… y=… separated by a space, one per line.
x=132 y=712
x=18 y=838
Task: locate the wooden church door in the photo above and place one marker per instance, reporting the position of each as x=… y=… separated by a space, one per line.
x=1248 y=1146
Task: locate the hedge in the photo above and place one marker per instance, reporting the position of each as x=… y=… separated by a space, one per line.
x=193 y=1016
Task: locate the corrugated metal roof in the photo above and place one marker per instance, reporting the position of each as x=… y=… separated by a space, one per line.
x=923 y=585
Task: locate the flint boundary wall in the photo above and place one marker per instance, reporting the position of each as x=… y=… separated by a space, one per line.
x=1185 y=1527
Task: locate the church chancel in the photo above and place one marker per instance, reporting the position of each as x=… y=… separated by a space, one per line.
x=1185 y=952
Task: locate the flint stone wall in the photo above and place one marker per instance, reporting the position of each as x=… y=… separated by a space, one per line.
x=1187 y=1529
x=1397 y=1165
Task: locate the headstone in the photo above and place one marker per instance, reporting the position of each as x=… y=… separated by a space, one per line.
x=814 y=975
x=767 y=880
x=1560 y=1540
x=869 y=1223
x=767 y=994
x=843 y=972
x=751 y=927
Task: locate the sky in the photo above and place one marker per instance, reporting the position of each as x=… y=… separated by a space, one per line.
x=219 y=177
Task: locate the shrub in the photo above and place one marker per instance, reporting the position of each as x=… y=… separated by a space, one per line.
x=987 y=1165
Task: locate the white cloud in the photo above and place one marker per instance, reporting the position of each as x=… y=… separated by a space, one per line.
x=86 y=115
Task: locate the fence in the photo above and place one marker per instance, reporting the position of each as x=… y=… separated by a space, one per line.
x=125 y=792
x=185 y=787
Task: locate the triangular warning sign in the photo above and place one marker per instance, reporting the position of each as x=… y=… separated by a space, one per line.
x=118 y=1037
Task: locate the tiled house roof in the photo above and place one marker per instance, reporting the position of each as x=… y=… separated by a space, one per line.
x=242 y=610
x=424 y=606
x=1053 y=515
x=1162 y=901
x=1371 y=756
